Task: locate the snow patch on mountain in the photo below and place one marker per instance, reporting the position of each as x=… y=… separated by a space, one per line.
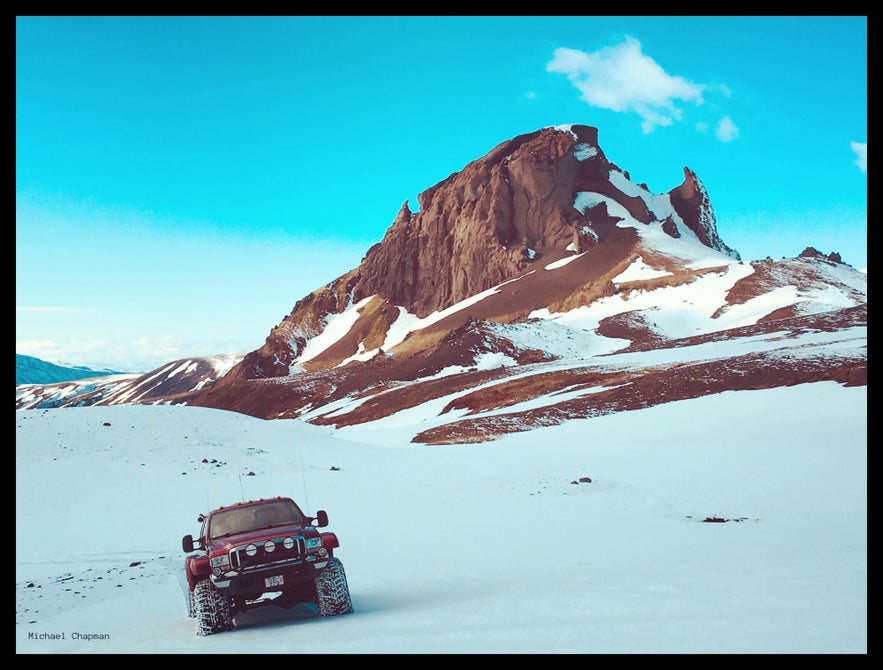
x=407 y=323
x=638 y=270
x=564 y=261
x=584 y=151
x=336 y=326
x=361 y=354
x=484 y=361
x=558 y=339
x=677 y=311
x=565 y=128
x=223 y=363
x=687 y=247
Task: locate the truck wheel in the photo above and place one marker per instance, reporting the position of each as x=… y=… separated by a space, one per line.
x=191 y=605
x=332 y=590
x=211 y=609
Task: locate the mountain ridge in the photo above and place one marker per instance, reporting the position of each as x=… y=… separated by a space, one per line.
x=536 y=285
x=33 y=370
x=538 y=197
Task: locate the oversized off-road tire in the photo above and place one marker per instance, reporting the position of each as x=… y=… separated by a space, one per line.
x=211 y=609
x=332 y=590
x=191 y=604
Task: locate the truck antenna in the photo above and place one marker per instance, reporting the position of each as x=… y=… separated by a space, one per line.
x=303 y=477
x=241 y=492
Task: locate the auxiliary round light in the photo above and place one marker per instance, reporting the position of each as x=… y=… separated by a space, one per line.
x=288 y=542
x=269 y=546
x=251 y=550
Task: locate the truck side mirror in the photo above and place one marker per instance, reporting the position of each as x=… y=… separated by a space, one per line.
x=321 y=518
x=187 y=543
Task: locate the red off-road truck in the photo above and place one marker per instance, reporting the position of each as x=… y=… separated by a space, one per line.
x=262 y=552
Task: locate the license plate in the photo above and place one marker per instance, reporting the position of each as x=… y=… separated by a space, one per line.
x=275 y=580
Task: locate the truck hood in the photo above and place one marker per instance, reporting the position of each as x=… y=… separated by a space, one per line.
x=258 y=536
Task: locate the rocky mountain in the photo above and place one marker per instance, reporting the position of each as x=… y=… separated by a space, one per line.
x=538 y=284
x=184 y=376
x=532 y=200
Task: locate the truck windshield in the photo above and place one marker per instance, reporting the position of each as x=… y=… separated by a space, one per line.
x=254 y=517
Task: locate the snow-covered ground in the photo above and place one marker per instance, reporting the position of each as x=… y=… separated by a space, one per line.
x=489 y=548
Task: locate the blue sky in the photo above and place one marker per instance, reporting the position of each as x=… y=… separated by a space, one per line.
x=181 y=182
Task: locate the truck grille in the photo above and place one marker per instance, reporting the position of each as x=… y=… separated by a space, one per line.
x=240 y=560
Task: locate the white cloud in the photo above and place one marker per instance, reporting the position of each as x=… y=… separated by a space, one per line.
x=623 y=79
x=44 y=349
x=861 y=154
x=726 y=130
x=107 y=353
x=162 y=346
x=131 y=355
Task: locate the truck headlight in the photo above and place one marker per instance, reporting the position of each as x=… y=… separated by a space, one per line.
x=314 y=544
x=222 y=561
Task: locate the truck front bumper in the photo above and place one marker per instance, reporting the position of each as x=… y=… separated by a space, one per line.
x=263 y=579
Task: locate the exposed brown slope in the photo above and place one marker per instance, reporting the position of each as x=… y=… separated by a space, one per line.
x=392 y=384
x=649 y=387
x=584 y=279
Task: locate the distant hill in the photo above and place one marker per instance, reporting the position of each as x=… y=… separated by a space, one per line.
x=30 y=370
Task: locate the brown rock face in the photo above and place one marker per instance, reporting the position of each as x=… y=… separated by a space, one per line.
x=483 y=225
x=499 y=217
x=812 y=252
x=287 y=340
x=690 y=201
